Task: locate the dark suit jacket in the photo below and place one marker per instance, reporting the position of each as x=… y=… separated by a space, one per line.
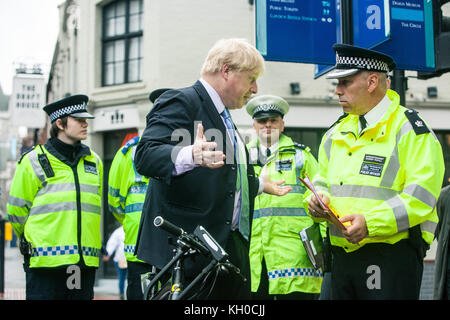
x=201 y=196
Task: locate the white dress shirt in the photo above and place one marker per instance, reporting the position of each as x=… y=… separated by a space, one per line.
x=377 y=112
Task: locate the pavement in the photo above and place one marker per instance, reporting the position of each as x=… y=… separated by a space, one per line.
x=104 y=289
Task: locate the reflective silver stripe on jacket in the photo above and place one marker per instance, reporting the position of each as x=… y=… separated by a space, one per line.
x=279 y=212
x=328 y=142
x=21 y=203
x=64 y=206
x=394 y=164
x=392 y=198
x=428 y=226
x=62 y=187
x=298 y=163
x=421 y=194
x=297 y=188
x=36 y=166
x=17 y=219
x=18 y=202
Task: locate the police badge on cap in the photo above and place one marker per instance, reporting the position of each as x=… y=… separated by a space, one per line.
x=351 y=59
x=267 y=106
x=74 y=106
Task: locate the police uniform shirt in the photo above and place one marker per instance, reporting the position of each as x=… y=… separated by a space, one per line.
x=263 y=150
x=377 y=112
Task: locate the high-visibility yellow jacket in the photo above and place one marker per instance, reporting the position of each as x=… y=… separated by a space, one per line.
x=392 y=174
x=277 y=222
x=126 y=194
x=59 y=215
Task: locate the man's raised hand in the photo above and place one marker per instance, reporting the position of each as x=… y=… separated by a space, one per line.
x=202 y=151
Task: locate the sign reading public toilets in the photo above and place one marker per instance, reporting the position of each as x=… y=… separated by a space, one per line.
x=305 y=30
x=27 y=100
x=296 y=30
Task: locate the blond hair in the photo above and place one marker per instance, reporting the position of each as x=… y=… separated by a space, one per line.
x=238 y=54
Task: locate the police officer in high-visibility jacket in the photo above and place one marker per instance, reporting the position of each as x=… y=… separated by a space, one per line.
x=279 y=264
x=381 y=169
x=126 y=196
x=55 y=206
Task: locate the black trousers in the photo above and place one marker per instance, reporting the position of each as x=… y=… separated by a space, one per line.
x=377 y=271
x=60 y=283
x=134 y=283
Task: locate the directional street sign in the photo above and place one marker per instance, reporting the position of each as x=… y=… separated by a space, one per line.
x=371 y=22
x=371 y=27
x=296 y=30
x=305 y=30
x=412 y=37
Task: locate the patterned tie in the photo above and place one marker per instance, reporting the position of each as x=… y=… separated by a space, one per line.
x=242 y=217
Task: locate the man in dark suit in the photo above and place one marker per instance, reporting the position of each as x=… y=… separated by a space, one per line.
x=197 y=181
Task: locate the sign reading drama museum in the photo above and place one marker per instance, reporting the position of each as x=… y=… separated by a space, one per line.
x=27 y=100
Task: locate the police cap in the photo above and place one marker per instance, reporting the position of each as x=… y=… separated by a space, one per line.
x=351 y=59
x=267 y=106
x=74 y=106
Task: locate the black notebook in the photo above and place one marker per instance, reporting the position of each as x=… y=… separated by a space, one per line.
x=312 y=241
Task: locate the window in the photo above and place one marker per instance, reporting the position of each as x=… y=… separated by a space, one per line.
x=122 y=42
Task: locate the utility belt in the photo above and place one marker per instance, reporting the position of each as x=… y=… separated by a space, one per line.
x=26 y=249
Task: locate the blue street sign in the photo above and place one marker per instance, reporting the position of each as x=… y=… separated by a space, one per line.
x=296 y=30
x=371 y=27
x=371 y=22
x=305 y=30
x=412 y=37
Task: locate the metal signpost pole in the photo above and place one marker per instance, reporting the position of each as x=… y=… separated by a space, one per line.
x=399 y=83
x=347 y=21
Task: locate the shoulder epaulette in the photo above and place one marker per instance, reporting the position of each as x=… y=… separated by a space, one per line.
x=129 y=144
x=417 y=123
x=300 y=146
x=25 y=153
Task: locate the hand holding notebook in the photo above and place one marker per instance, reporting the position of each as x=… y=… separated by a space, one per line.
x=330 y=215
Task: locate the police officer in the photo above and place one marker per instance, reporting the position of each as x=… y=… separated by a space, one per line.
x=279 y=264
x=381 y=168
x=55 y=205
x=126 y=196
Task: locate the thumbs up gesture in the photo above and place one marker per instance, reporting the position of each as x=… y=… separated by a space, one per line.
x=203 y=154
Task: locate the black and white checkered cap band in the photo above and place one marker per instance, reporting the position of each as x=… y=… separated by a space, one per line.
x=267 y=107
x=361 y=63
x=67 y=111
